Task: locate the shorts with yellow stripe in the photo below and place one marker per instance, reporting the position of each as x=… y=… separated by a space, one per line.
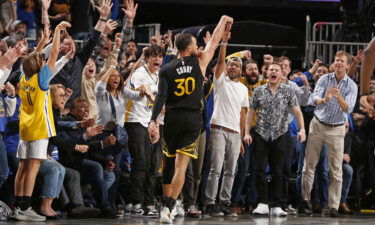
x=181 y=131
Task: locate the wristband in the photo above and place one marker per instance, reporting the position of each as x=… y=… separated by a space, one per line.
x=104 y=20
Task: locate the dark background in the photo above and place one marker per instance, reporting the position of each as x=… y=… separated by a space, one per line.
x=174 y=14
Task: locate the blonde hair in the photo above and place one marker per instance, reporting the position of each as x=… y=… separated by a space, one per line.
x=344 y=53
x=53 y=90
x=32 y=64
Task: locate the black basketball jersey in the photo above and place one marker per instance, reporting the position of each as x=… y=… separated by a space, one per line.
x=185 y=83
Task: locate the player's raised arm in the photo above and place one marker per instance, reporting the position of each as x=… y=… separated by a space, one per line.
x=206 y=55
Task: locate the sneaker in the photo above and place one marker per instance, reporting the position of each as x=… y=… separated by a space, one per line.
x=192 y=211
x=109 y=213
x=261 y=209
x=151 y=212
x=128 y=209
x=277 y=211
x=31 y=215
x=334 y=212
x=82 y=212
x=214 y=210
x=5 y=211
x=137 y=211
x=225 y=208
x=290 y=210
x=305 y=208
x=325 y=211
x=17 y=215
x=166 y=216
x=179 y=207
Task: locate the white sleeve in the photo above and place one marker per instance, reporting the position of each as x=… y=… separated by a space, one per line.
x=4 y=74
x=59 y=65
x=47 y=51
x=11 y=106
x=220 y=80
x=100 y=89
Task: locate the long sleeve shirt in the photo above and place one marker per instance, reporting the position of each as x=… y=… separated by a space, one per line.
x=331 y=112
x=71 y=74
x=104 y=107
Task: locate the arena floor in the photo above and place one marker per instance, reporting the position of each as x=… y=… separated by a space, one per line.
x=305 y=220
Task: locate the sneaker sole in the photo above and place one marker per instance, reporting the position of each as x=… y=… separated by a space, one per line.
x=164 y=220
x=279 y=215
x=19 y=218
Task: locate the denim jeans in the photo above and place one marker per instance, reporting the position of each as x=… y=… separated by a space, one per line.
x=53 y=177
x=243 y=164
x=13 y=162
x=3 y=163
x=94 y=174
x=321 y=181
x=347 y=174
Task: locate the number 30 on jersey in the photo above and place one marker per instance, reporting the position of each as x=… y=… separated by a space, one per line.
x=185 y=86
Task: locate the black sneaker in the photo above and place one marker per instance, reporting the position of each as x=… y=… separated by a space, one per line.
x=109 y=213
x=225 y=208
x=333 y=212
x=305 y=208
x=82 y=212
x=213 y=210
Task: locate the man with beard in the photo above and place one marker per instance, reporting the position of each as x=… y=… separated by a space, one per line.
x=181 y=89
x=230 y=106
x=274 y=102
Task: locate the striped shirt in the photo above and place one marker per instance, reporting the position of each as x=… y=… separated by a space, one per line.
x=331 y=112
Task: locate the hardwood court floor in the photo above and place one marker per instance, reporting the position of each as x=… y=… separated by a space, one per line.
x=300 y=220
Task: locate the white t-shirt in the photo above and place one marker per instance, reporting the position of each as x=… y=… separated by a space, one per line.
x=141 y=111
x=230 y=97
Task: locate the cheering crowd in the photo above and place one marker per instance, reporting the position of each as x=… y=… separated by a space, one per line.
x=99 y=130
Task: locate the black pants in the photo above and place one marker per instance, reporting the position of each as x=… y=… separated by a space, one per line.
x=272 y=152
x=140 y=152
x=152 y=173
x=287 y=171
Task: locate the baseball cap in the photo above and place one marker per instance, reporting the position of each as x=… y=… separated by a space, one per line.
x=235 y=59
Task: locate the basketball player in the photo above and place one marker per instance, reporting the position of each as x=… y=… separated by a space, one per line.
x=181 y=89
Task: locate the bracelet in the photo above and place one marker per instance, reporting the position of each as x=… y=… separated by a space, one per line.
x=224 y=43
x=104 y=20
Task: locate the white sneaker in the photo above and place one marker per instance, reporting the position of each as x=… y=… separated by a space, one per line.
x=290 y=210
x=32 y=215
x=277 y=211
x=151 y=212
x=261 y=209
x=128 y=209
x=17 y=215
x=180 y=209
x=137 y=211
x=166 y=216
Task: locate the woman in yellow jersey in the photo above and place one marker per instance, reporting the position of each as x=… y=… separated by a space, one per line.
x=36 y=125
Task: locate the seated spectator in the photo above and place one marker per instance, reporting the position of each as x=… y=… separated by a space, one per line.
x=95 y=168
x=71 y=195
